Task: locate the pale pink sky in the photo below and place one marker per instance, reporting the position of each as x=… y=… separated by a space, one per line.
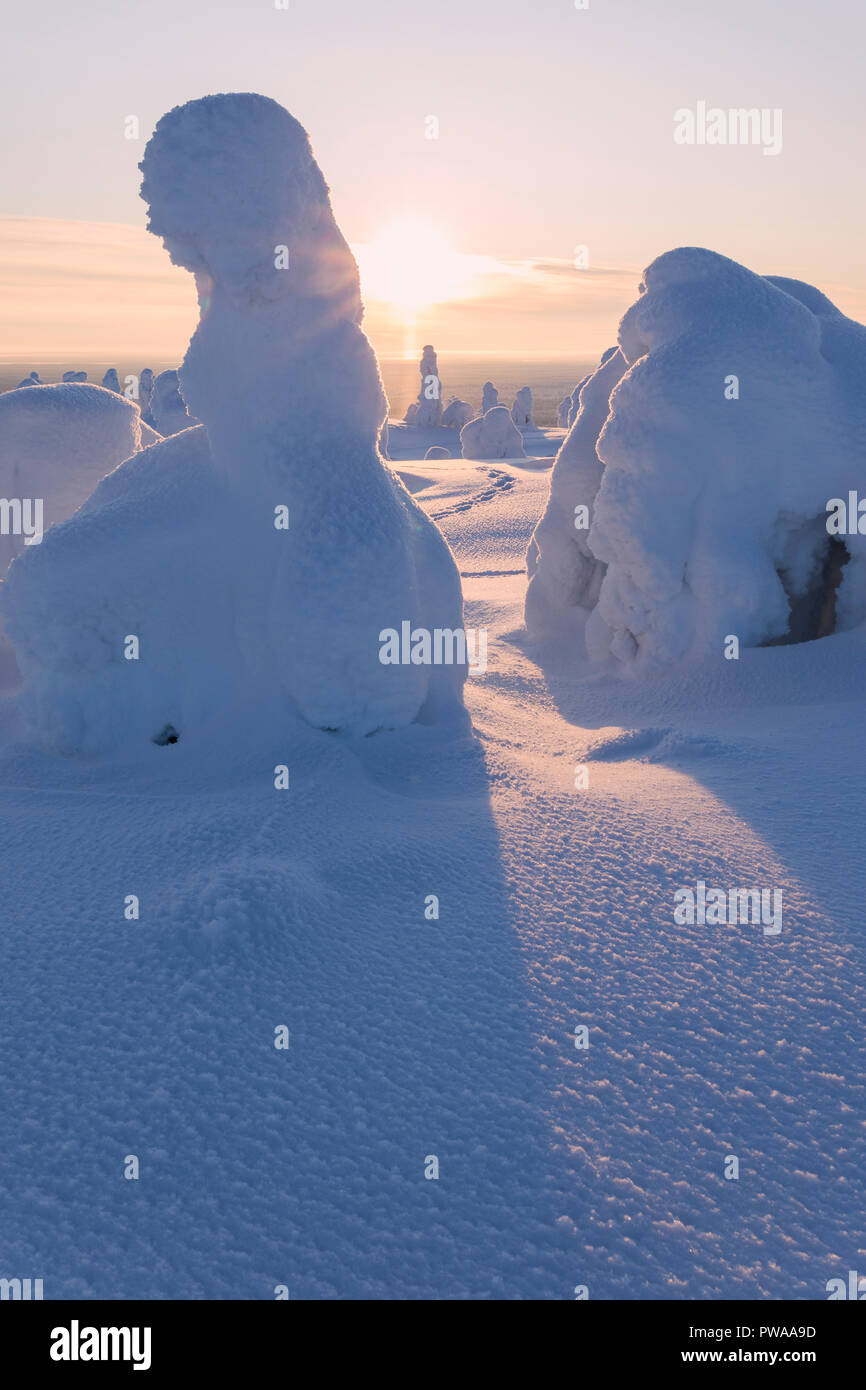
x=555 y=130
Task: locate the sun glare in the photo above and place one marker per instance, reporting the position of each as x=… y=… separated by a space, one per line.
x=412 y=265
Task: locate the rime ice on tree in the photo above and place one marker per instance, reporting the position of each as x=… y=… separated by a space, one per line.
x=57 y=442
x=521 y=410
x=456 y=414
x=426 y=412
x=240 y=620
x=682 y=509
x=145 y=391
x=492 y=436
x=166 y=406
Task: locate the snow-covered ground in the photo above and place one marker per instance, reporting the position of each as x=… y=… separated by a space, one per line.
x=413 y=1036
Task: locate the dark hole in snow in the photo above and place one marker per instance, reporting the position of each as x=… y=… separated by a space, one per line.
x=813 y=613
x=167 y=735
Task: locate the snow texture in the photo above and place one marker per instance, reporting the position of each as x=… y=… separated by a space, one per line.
x=452 y=1037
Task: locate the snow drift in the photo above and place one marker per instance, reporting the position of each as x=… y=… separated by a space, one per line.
x=256 y=562
x=689 y=502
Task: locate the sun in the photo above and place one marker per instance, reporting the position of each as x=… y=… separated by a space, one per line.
x=412 y=265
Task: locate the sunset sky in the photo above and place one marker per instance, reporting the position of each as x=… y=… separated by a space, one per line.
x=555 y=131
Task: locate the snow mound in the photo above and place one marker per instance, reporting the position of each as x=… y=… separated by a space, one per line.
x=689 y=502
x=253 y=564
x=666 y=744
x=250 y=900
x=111 y=381
x=492 y=436
x=56 y=442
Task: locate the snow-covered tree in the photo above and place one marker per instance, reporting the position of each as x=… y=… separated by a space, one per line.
x=521 y=410
x=692 y=499
x=257 y=560
x=492 y=436
x=426 y=412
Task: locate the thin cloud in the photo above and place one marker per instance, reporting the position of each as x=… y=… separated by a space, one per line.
x=106 y=289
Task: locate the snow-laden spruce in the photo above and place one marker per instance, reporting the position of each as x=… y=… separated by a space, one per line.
x=489 y=397
x=456 y=414
x=564 y=574
x=166 y=406
x=56 y=443
x=426 y=411
x=691 y=500
x=248 y=567
x=521 y=410
x=492 y=436
x=574 y=401
x=145 y=391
